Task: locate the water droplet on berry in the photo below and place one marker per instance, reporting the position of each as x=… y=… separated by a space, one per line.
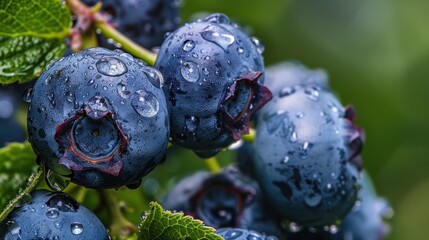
x=313 y=199
x=52 y=213
x=51 y=98
x=27 y=95
x=205 y=71
x=154 y=76
x=188 y=45
x=293 y=137
x=111 y=66
x=294 y=227
x=312 y=93
x=218 y=35
x=189 y=71
x=240 y=50
x=286 y=91
x=55 y=181
x=58 y=225
x=70 y=97
x=76 y=228
x=258 y=44
x=300 y=115
x=122 y=90
x=48 y=80
x=145 y=103
x=90 y=82
x=98 y=107
x=217 y=18
x=286 y=159
x=192 y=123
x=16 y=232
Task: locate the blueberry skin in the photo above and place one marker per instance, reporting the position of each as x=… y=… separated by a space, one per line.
x=100 y=117
x=365 y=221
x=227 y=199
x=52 y=215
x=305 y=152
x=213 y=83
x=242 y=234
x=286 y=75
x=144 y=21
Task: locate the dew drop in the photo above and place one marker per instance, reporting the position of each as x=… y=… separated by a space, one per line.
x=191 y=123
x=122 y=90
x=188 y=45
x=52 y=213
x=55 y=181
x=205 y=71
x=240 y=50
x=189 y=71
x=312 y=93
x=154 y=76
x=218 y=35
x=294 y=227
x=111 y=66
x=217 y=18
x=90 y=82
x=70 y=97
x=286 y=91
x=313 y=199
x=76 y=228
x=48 y=80
x=293 y=137
x=286 y=159
x=258 y=44
x=58 y=225
x=105 y=88
x=98 y=107
x=145 y=103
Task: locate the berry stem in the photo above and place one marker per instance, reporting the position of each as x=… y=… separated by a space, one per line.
x=212 y=164
x=93 y=16
x=250 y=137
x=120 y=227
x=33 y=180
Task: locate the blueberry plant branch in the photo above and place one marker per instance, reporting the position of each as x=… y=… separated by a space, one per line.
x=120 y=226
x=250 y=136
x=92 y=15
x=33 y=180
x=212 y=164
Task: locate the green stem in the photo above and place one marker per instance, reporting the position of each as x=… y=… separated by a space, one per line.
x=126 y=43
x=212 y=164
x=33 y=180
x=120 y=227
x=250 y=137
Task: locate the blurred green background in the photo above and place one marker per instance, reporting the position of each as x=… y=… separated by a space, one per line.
x=377 y=56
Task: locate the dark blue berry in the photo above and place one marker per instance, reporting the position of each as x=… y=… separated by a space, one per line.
x=227 y=199
x=144 y=21
x=306 y=150
x=52 y=215
x=213 y=72
x=242 y=234
x=100 y=117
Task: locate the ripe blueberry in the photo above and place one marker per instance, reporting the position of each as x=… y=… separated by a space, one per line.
x=213 y=73
x=144 y=21
x=227 y=199
x=52 y=215
x=306 y=149
x=100 y=117
x=242 y=234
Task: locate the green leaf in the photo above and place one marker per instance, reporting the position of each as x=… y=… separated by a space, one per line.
x=17 y=163
x=32 y=34
x=38 y=18
x=165 y=225
x=22 y=58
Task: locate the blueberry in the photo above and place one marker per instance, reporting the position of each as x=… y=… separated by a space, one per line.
x=227 y=199
x=213 y=73
x=52 y=215
x=10 y=130
x=144 y=21
x=242 y=234
x=282 y=77
x=306 y=150
x=365 y=221
x=100 y=117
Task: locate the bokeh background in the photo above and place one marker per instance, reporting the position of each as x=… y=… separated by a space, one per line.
x=377 y=56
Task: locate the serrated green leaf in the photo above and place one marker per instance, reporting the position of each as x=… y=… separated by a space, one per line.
x=22 y=58
x=17 y=163
x=165 y=225
x=37 y=18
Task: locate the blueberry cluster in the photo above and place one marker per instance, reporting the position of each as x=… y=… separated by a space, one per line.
x=104 y=119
